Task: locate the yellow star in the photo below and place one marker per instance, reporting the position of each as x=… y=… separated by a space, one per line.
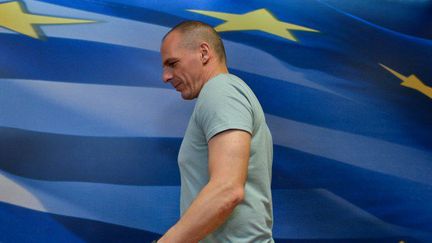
x=260 y=19
x=411 y=82
x=14 y=17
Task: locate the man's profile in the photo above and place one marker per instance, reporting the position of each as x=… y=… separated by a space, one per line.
x=225 y=158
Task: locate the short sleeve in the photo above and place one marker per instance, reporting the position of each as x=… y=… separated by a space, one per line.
x=223 y=106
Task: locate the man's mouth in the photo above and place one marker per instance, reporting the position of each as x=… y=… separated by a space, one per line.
x=177 y=86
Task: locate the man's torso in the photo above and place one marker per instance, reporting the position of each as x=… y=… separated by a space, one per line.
x=226 y=102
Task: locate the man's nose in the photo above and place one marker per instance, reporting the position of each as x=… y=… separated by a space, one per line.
x=166 y=76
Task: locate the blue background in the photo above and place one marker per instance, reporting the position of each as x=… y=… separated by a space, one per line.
x=89 y=134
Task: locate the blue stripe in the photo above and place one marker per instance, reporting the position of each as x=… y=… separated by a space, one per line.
x=24 y=225
x=402 y=18
x=123 y=10
x=54 y=157
x=373 y=192
x=78 y=61
x=351 y=240
x=322 y=215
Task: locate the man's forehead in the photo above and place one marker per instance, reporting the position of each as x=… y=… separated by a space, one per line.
x=172 y=38
x=169 y=48
x=170 y=45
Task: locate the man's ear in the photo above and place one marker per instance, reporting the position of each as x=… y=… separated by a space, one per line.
x=205 y=52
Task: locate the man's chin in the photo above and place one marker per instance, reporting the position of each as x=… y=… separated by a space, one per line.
x=187 y=96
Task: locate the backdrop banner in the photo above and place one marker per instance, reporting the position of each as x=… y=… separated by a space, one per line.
x=89 y=133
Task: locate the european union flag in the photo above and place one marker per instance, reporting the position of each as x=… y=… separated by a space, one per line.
x=89 y=134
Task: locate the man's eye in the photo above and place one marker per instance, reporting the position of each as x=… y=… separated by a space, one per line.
x=172 y=64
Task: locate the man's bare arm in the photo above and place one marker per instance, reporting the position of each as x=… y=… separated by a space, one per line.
x=228 y=165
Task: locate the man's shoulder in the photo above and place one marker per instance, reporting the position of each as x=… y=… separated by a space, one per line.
x=220 y=81
x=223 y=85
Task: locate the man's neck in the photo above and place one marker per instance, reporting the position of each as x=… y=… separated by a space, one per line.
x=215 y=72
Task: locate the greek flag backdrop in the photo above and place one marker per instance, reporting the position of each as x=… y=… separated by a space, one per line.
x=89 y=133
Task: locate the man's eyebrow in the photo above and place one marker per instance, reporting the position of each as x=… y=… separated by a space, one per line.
x=167 y=61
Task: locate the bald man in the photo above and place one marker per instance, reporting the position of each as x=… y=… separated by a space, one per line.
x=225 y=158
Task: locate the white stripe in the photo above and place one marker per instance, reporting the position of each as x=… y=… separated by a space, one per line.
x=11 y=191
x=357 y=150
x=132 y=206
x=106 y=110
x=93 y=110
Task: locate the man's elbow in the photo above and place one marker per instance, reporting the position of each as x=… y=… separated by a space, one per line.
x=234 y=196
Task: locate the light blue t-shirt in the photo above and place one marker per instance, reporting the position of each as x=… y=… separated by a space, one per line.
x=226 y=102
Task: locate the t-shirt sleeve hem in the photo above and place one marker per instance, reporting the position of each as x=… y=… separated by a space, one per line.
x=223 y=127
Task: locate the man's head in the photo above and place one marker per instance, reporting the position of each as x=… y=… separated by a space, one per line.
x=192 y=53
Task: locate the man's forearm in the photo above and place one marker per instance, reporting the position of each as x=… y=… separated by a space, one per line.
x=212 y=207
